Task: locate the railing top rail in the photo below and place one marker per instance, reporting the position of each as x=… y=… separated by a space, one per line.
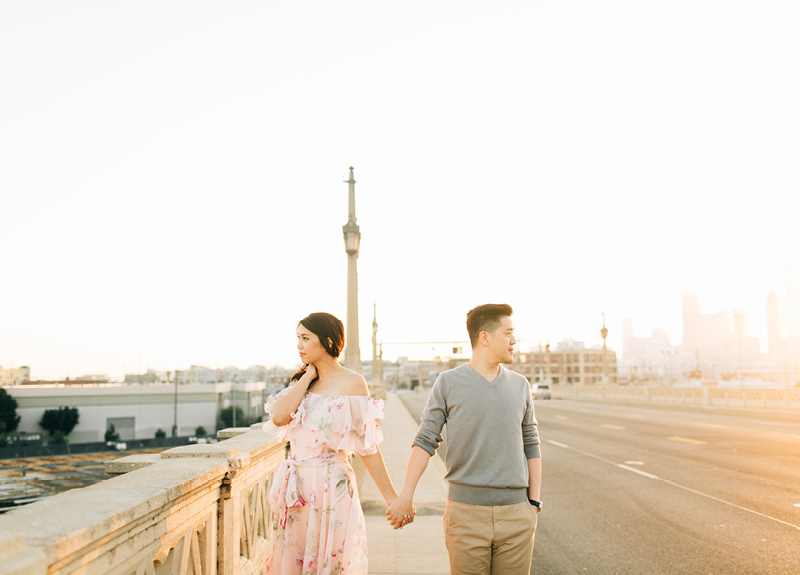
x=74 y=525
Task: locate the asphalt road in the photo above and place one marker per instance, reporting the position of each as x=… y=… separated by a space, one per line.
x=647 y=490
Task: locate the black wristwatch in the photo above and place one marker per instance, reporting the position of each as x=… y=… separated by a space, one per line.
x=537 y=504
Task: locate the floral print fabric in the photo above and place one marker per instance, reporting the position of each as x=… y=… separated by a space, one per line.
x=321 y=529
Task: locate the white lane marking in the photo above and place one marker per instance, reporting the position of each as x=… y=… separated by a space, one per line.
x=714 y=425
x=639 y=471
x=687 y=440
x=668 y=482
x=634 y=463
x=612 y=426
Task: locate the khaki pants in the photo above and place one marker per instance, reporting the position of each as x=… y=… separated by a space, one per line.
x=486 y=540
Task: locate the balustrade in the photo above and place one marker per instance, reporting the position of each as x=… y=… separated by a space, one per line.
x=783 y=399
x=192 y=510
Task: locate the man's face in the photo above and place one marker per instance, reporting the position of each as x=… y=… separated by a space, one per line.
x=502 y=341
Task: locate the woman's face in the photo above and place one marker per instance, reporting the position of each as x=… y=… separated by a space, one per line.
x=309 y=346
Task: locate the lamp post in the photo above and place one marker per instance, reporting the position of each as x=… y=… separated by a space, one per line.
x=352 y=238
x=669 y=353
x=604 y=335
x=175 y=420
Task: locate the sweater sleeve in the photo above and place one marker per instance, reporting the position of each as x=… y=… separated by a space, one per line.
x=429 y=435
x=530 y=431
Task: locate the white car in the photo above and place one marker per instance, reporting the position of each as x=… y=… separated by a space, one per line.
x=542 y=391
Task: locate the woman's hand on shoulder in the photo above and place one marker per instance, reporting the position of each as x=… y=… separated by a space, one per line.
x=356 y=384
x=310 y=374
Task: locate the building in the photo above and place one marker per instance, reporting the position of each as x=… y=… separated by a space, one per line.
x=748 y=347
x=151 y=376
x=15 y=376
x=651 y=356
x=571 y=362
x=137 y=411
x=252 y=374
x=629 y=344
x=405 y=373
x=720 y=343
x=201 y=374
x=691 y=322
x=776 y=331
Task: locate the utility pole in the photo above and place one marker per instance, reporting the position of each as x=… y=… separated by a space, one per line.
x=547 y=378
x=175 y=420
x=604 y=333
x=233 y=399
x=377 y=371
x=697 y=364
x=541 y=362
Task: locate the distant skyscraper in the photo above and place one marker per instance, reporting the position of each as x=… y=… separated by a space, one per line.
x=691 y=322
x=741 y=332
x=792 y=313
x=774 y=323
x=741 y=323
x=715 y=336
x=627 y=338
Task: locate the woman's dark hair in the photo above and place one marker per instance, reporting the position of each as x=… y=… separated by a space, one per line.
x=330 y=331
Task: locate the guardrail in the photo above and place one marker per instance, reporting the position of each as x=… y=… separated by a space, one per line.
x=198 y=509
x=784 y=399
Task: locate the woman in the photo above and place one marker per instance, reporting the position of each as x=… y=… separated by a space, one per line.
x=326 y=415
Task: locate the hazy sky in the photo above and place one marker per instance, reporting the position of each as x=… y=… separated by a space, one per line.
x=171 y=172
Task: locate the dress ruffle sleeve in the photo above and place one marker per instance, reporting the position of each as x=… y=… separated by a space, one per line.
x=271 y=428
x=340 y=423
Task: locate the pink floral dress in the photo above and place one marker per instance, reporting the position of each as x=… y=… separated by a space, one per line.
x=321 y=529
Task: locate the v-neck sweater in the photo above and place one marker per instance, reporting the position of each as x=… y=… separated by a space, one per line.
x=491 y=434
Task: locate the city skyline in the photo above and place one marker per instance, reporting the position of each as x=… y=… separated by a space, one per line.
x=739 y=321
x=180 y=199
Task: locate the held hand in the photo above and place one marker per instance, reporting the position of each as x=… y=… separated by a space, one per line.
x=401 y=512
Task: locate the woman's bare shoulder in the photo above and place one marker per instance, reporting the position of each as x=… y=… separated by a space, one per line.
x=355 y=384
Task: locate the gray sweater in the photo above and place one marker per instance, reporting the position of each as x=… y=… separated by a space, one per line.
x=491 y=434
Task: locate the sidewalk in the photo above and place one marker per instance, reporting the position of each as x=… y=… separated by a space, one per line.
x=417 y=549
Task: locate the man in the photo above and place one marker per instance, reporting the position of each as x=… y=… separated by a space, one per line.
x=493 y=462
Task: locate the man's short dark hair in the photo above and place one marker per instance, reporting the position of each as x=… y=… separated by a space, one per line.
x=486 y=318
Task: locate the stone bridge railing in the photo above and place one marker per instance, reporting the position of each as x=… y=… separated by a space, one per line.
x=779 y=399
x=197 y=509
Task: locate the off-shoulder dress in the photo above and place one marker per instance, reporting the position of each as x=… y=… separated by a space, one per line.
x=321 y=529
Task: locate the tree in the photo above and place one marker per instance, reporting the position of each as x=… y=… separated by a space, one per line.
x=63 y=419
x=226 y=415
x=58 y=437
x=200 y=431
x=160 y=433
x=9 y=420
x=112 y=434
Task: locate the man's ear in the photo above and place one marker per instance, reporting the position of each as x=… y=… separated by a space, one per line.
x=483 y=338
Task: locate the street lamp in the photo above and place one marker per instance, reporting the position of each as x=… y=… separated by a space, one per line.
x=604 y=335
x=352 y=239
